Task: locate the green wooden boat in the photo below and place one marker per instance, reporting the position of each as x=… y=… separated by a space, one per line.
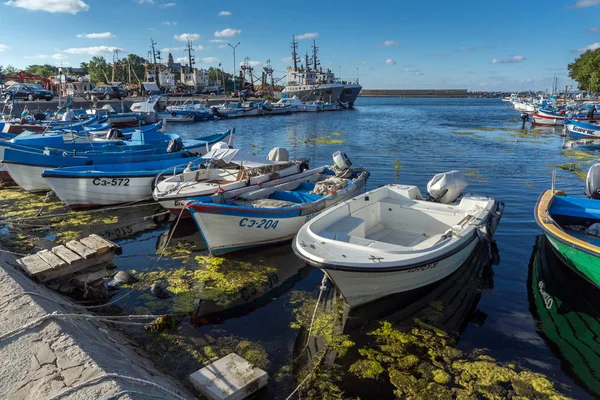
x=556 y=214
x=568 y=315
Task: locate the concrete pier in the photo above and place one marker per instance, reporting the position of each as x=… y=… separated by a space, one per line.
x=58 y=354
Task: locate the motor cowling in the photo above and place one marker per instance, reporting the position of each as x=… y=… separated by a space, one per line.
x=175 y=145
x=447 y=187
x=114 y=134
x=592 y=182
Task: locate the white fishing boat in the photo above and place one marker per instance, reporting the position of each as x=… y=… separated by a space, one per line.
x=176 y=116
x=227 y=173
x=295 y=104
x=390 y=240
x=315 y=106
x=226 y=111
x=271 y=215
x=331 y=107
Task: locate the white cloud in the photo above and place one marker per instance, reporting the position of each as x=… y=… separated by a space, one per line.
x=103 y=35
x=418 y=73
x=217 y=41
x=310 y=35
x=145 y=1
x=209 y=60
x=3 y=47
x=169 y=23
x=511 y=60
x=51 y=6
x=252 y=63
x=92 y=51
x=287 y=60
x=224 y=14
x=184 y=37
x=390 y=43
x=593 y=30
x=182 y=60
x=38 y=56
x=59 y=56
x=165 y=5
x=593 y=46
x=228 y=32
x=389 y=61
x=583 y=4
x=222 y=46
x=410 y=70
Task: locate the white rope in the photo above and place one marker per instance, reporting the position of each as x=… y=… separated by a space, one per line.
x=312 y=321
x=306 y=378
x=112 y=319
x=117 y=376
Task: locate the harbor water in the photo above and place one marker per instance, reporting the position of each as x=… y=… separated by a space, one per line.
x=397 y=141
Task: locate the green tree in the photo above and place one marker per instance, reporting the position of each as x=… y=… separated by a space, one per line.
x=99 y=70
x=45 y=70
x=138 y=68
x=9 y=70
x=585 y=70
x=216 y=75
x=84 y=68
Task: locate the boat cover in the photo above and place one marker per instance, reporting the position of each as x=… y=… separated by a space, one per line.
x=220 y=156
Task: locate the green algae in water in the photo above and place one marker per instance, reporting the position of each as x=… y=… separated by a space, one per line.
x=572 y=168
x=465 y=133
x=332 y=138
x=421 y=363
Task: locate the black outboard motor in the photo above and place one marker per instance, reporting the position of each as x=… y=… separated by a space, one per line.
x=114 y=134
x=592 y=182
x=174 y=146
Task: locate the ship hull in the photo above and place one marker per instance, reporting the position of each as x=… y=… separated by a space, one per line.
x=330 y=92
x=350 y=93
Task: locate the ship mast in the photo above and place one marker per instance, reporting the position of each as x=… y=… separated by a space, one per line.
x=153 y=53
x=295 y=52
x=189 y=49
x=315 y=59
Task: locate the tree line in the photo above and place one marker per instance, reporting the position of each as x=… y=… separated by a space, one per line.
x=585 y=70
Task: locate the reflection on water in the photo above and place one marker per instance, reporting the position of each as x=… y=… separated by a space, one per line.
x=567 y=311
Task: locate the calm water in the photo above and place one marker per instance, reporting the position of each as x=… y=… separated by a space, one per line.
x=408 y=141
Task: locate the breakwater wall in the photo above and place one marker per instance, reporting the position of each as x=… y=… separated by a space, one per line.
x=43 y=359
x=414 y=93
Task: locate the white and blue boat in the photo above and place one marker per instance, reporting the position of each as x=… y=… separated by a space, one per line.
x=94 y=186
x=582 y=130
x=26 y=165
x=274 y=214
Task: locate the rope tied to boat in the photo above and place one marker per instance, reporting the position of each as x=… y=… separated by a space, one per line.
x=312 y=321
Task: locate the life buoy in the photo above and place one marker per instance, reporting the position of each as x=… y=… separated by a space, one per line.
x=174 y=114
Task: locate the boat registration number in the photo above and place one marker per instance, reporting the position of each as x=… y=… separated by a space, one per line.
x=423 y=267
x=581 y=130
x=258 y=223
x=111 y=182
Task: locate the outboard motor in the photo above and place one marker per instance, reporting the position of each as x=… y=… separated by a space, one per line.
x=592 y=182
x=174 y=146
x=278 y=154
x=341 y=165
x=220 y=145
x=114 y=134
x=447 y=187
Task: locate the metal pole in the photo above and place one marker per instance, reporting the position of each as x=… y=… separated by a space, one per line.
x=234 y=75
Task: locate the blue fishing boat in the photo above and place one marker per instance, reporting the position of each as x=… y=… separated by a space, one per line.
x=582 y=130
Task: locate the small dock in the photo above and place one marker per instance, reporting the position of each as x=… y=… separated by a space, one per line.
x=68 y=260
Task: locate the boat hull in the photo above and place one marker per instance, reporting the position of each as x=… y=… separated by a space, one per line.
x=28 y=177
x=81 y=193
x=350 y=93
x=582 y=257
x=328 y=92
x=364 y=287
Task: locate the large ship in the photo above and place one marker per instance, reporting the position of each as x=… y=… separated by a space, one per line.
x=350 y=92
x=309 y=82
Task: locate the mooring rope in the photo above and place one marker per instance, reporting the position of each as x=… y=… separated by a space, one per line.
x=113 y=319
x=117 y=376
x=312 y=321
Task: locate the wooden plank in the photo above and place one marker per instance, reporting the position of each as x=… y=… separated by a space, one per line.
x=33 y=265
x=80 y=249
x=101 y=239
x=51 y=259
x=67 y=255
x=99 y=246
x=77 y=266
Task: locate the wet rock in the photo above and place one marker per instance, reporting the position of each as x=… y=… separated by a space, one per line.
x=122 y=278
x=159 y=289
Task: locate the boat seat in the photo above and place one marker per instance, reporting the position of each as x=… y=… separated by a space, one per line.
x=349 y=226
x=359 y=241
x=429 y=242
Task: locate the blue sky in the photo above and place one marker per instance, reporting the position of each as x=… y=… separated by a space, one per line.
x=507 y=45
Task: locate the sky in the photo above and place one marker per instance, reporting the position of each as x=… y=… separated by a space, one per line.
x=428 y=44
